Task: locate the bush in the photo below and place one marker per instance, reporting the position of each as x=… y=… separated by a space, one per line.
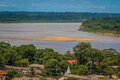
x=11 y=73
x=43 y=78
x=82 y=70
x=110 y=71
x=14 y=73
x=118 y=74
x=98 y=70
x=52 y=67
x=71 y=79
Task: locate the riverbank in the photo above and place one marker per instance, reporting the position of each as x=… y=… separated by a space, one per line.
x=108 y=34
x=57 y=38
x=105 y=26
x=103 y=33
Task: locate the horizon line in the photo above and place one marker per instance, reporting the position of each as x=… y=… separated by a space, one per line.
x=65 y=12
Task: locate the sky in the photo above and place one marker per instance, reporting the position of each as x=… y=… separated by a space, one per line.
x=99 y=6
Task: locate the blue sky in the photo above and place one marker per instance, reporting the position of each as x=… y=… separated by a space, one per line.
x=100 y=6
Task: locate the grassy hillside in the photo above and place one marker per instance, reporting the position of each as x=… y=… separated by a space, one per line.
x=110 y=26
x=51 y=16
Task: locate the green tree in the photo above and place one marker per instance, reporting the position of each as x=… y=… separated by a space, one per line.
x=63 y=65
x=94 y=57
x=69 y=56
x=82 y=70
x=110 y=71
x=38 y=56
x=2 y=60
x=4 y=45
x=51 y=54
x=52 y=67
x=112 y=57
x=79 y=51
x=11 y=57
x=23 y=62
x=28 y=51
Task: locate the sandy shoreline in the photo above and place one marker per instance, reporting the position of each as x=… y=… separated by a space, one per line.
x=58 y=38
x=107 y=34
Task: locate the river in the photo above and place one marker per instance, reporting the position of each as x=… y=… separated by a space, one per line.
x=28 y=30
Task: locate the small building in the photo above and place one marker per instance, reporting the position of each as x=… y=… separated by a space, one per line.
x=2 y=74
x=16 y=68
x=37 y=67
x=24 y=70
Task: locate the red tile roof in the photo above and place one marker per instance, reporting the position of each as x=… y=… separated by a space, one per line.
x=72 y=61
x=3 y=72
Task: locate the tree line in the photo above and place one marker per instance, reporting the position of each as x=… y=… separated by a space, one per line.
x=89 y=60
x=6 y=16
x=102 y=25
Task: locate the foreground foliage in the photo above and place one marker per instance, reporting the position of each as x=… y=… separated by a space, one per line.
x=71 y=79
x=89 y=60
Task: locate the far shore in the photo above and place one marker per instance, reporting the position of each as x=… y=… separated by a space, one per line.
x=58 y=38
x=101 y=33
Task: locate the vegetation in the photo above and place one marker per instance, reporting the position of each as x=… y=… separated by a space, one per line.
x=14 y=73
x=82 y=70
x=71 y=79
x=102 y=25
x=51 y=16
x=118 y=74
x=89 y=60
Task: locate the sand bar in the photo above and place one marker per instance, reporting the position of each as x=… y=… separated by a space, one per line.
x=60 y=39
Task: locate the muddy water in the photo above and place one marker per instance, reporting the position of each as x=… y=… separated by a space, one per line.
x=28 y=30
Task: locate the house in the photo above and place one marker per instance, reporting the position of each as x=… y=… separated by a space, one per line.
x=37 y=67
x=26 y=70
x=16 y=68
x=2 y=74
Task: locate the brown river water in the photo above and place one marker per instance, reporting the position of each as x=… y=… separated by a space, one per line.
x=38 y=30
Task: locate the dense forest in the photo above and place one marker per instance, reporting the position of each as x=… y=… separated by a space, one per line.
x=89 y=60
x=51 y=16
x=102 y=25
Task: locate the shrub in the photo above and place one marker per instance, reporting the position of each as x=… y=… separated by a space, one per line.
x=43 y=78
x=118 y=74
x=71 y=79
x=14 y=73
x=82 y=70
x=110 y=71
